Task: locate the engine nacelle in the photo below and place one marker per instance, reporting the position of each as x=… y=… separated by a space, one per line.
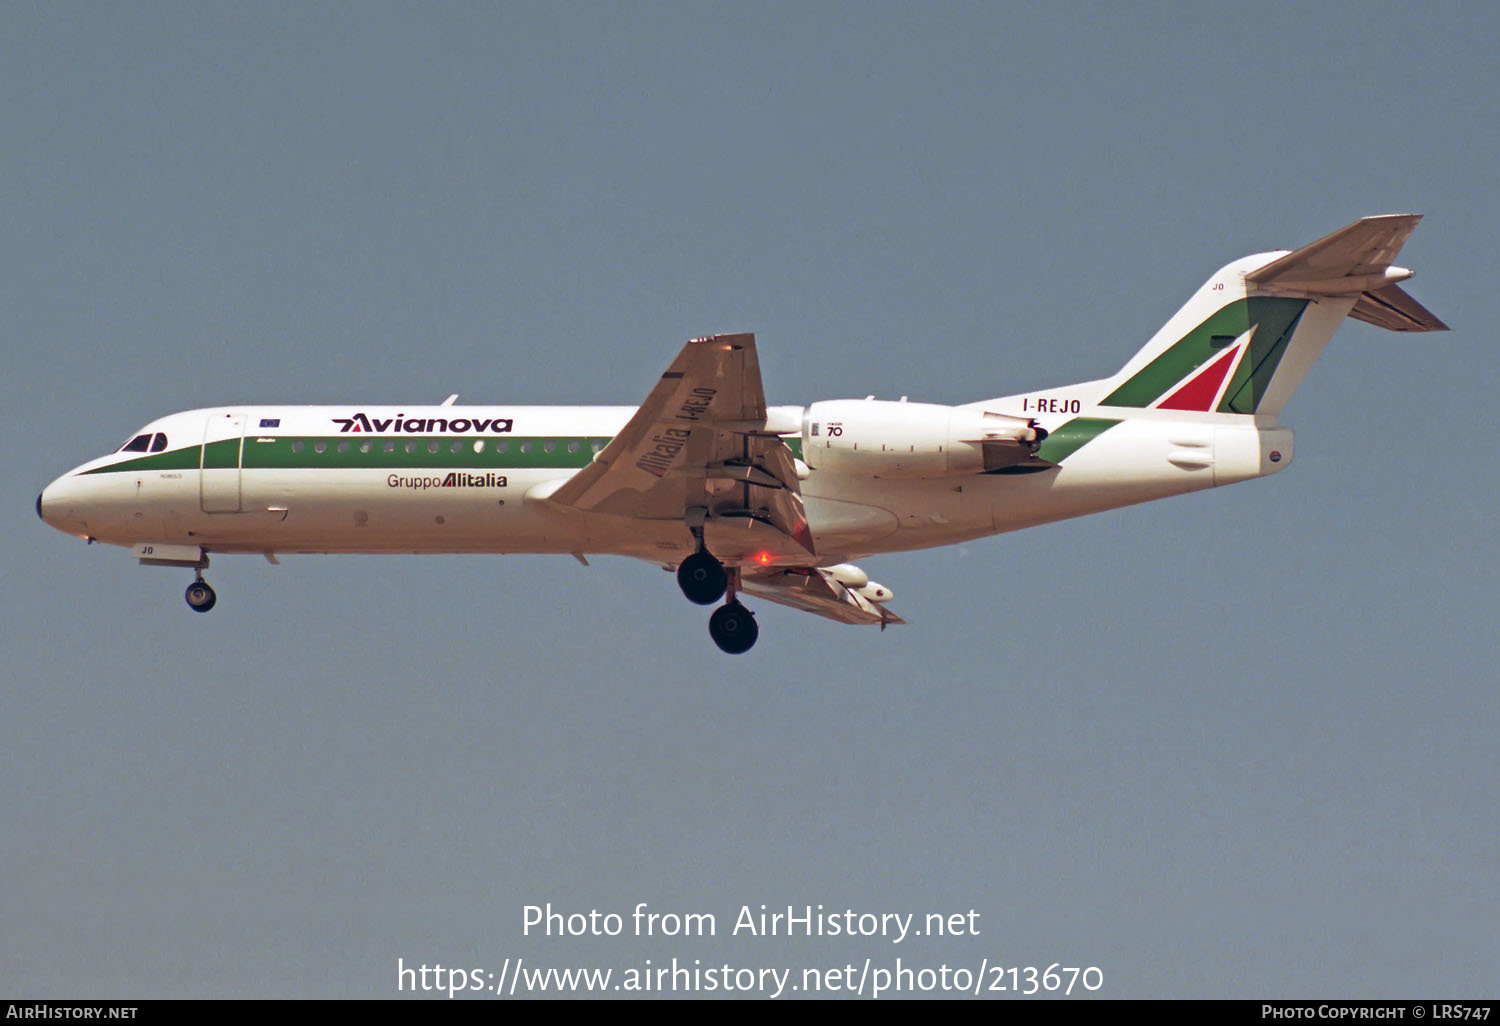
x=884 y=439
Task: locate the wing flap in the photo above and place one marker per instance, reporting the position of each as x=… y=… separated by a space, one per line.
x=702 y=439
x=708 y=378
x=814 y=590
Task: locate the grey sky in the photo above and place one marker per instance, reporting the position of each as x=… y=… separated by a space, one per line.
x=1233 y=744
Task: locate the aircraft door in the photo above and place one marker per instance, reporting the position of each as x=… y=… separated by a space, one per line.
x=219 y=474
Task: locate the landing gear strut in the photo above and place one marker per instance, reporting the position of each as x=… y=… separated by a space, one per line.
x=200 y=597
x=704 y=580
x=701 y=577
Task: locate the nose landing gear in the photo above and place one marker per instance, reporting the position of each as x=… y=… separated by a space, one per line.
x=200 y=597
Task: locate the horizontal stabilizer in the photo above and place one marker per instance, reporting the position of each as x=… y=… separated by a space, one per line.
x=1391 y=308
x=1360 y=251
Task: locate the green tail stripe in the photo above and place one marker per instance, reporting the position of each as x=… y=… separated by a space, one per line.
x=1258 y=366
x=1276 y=317
x=1072 y=436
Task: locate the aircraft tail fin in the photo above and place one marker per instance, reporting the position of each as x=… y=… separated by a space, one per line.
x=1245 y=341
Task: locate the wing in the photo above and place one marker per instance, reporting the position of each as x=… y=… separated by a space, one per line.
x=704 y=440
x=818 y=590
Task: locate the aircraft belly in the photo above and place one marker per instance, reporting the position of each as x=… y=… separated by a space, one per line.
x=418 y=511
x=380 y=511
x=1136 y=461
x=841 y=525
x=1133 y=462
x=875 y=515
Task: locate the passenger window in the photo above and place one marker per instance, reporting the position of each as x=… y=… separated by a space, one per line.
x=411 y=445
x=159 y=442
x=364 y=446
x=433 y=446
x=140 y=443
x=550 y=445
x=457 y=445
x=502 y=447
x=320 y=446
x=525 y=446
x=297 y=445
x=479 y=445
x=597 y=446
x=390 y=445
x=344 y=446
x=573 y=445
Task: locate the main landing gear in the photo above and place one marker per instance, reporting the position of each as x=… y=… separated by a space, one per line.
x=200 y=597
x=733 y=627
x=704 y=580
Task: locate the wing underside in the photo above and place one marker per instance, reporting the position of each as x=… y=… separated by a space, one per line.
x=702 y=445
x=815 y=590
x=705 y=448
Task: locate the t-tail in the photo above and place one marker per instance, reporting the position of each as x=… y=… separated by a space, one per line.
x=1244 y=342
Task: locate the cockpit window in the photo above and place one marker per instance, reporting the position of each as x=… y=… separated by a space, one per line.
x=140 y=443
x=159 y=442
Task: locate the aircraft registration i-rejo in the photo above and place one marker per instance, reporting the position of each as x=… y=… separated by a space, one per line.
x=735 y=495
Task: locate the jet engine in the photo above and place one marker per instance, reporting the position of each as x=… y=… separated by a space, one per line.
x=884 y=439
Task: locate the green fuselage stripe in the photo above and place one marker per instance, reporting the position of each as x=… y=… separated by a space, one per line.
x=174 y=459
x=379 y=452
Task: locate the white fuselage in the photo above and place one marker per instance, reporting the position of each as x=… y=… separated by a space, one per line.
x=456 y=479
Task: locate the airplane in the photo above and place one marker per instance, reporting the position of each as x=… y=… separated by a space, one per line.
x=735 y=496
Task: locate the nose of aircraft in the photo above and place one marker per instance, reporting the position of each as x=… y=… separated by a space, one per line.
x=55 y=507
x=44 y=503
